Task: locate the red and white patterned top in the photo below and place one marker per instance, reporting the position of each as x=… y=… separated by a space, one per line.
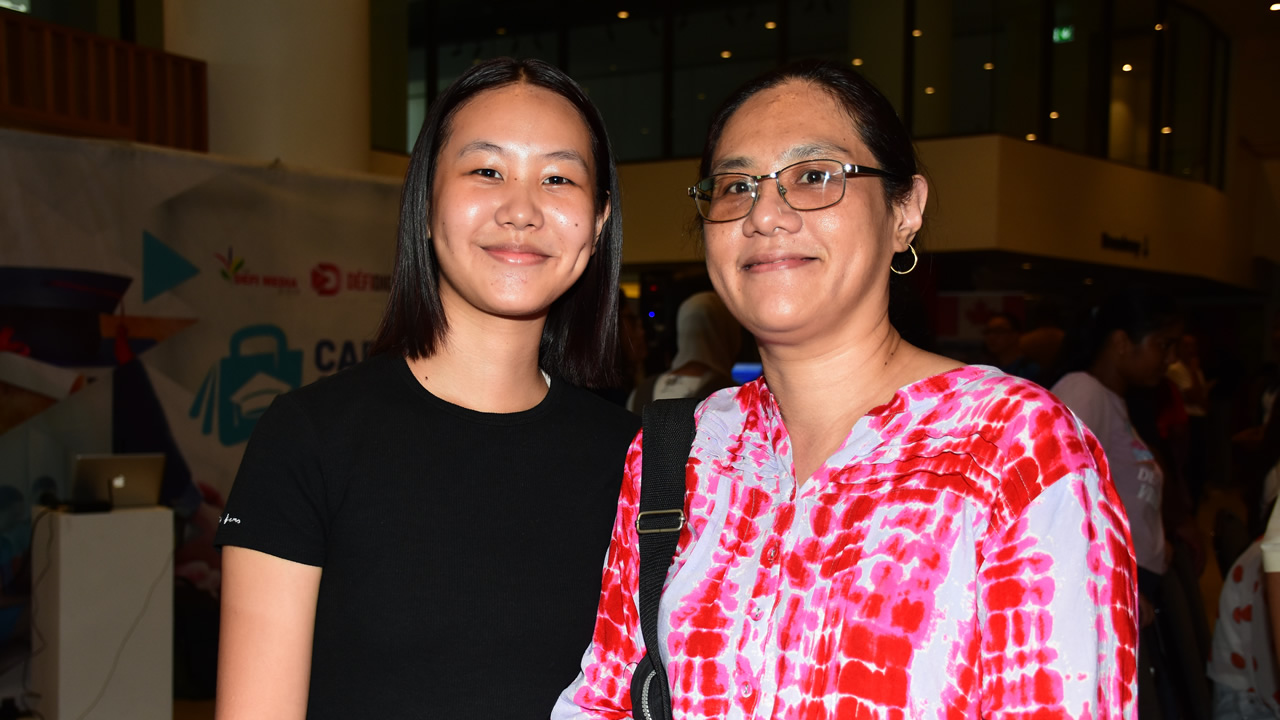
x=1243 y=660
x=962 y=555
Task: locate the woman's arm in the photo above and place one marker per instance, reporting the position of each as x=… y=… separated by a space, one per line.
x=1057 y=589
x=268 y=619
x=602 y=690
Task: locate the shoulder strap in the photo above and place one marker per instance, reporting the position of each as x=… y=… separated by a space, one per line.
x=666 y=442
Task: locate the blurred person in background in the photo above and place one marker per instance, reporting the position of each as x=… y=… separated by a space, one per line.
x=1002 y=339
x=708 y=339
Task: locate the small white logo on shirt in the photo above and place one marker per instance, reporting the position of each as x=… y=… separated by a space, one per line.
x=228 y=519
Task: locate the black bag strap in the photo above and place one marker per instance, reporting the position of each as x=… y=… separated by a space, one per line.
x=668 y=437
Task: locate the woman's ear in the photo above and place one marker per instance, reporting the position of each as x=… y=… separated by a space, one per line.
x=909 y=214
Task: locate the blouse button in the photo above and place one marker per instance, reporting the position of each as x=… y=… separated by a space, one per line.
x=772 y=554
x=746 y=690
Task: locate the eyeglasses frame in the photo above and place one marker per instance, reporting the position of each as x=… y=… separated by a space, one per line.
x=850 y=170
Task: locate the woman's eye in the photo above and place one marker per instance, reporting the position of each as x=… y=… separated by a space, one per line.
x=558 y=180
x=488 y=173
x=741 y=187
x=812 y=177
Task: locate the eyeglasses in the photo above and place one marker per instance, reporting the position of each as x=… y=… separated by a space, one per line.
x=806 y=185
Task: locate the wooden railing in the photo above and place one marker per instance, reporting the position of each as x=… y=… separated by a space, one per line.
x=60 y=80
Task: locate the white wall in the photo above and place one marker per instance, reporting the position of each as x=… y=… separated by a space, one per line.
x=288 y=79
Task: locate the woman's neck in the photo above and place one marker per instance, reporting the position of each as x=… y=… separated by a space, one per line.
x=486 y=363
x=823 y=391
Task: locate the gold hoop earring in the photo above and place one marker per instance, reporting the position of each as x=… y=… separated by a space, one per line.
x=915 y=259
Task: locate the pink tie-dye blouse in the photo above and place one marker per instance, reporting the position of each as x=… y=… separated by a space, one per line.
x=962 y=555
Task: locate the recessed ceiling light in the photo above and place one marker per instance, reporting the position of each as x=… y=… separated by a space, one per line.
x=1031 y=137
x=917 y=32
x=988 y=66
x=1053 y=115
x=929 y=90
x=1126 y=67
x=623 y=14
x=1159 y=27
x=857 y=62
x=1166 y=130
x=770 y=25
x=726 y=54
x=1275 y=7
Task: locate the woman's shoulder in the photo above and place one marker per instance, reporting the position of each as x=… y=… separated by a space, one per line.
x=344 y=392
x=1018 y=405
x=592 y=411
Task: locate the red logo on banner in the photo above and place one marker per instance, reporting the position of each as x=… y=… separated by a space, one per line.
x=326 y=279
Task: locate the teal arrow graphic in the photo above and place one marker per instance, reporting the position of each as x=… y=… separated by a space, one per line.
x=162 y=268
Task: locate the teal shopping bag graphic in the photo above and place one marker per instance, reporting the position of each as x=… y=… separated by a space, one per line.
x=242 y=385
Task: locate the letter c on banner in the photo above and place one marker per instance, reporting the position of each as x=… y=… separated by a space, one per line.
x=324 y=348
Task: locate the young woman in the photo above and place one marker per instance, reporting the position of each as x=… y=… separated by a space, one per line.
x=421 y=535
x=873 y=531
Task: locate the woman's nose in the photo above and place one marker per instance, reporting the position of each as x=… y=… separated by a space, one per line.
x=520 y=207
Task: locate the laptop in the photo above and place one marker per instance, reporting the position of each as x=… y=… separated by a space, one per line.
x=105 y=482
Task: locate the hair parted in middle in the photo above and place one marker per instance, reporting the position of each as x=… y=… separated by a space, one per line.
x=579 y=340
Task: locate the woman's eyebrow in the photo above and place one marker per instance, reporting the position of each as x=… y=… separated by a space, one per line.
x=483 y=146
x=807 y=151
x=568 y=155
x=490 y=147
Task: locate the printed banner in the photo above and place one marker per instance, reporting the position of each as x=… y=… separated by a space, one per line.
x=157 y=301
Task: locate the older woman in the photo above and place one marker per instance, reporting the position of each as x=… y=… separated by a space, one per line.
x=873 y=530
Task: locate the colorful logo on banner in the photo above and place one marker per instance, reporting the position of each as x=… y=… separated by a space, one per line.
x=233 y=271
x=327 y=280
x=240 y=387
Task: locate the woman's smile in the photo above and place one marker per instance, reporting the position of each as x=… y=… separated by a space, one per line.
x=517 y=254
x=771 y=262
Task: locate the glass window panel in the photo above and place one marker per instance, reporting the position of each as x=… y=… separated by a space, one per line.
x=931 y=87
x=619 y=63
x=818 y=30
x=1131 y=126
x=973 y=68
x=1077 y=100
x=878 y=34
x=1189 y=106
x=1017 y=45
x=717 y=48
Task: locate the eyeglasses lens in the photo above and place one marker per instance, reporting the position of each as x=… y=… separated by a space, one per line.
x=809 y=185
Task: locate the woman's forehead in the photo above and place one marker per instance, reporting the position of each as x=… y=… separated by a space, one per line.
x=793 y=121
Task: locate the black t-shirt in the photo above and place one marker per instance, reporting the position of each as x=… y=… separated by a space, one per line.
x=461 y=551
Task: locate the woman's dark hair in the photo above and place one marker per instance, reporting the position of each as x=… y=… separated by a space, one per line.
x=579 y=339
x=872 y=114
x=1137 y=311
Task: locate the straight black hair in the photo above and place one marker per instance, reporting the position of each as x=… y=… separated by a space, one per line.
x=580 y=338
x=878 y=125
